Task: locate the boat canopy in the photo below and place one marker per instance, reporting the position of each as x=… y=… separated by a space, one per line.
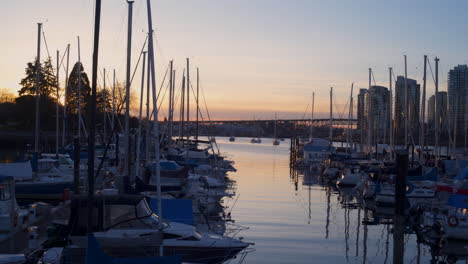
x=318 y=142
x=17 y=170
x=175 y=210
x=166 y=165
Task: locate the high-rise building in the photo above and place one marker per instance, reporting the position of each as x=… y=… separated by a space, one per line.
x=431 y=108
x=457 y=97
x=414 y=93
x=361 y=109
x=362 y=115
x=379 y=114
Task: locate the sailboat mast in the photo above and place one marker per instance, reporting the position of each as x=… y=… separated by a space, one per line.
x=182 y=107
x=79 y=88
x=423 y=109
x=188 y=99
x=312 y=117
x=127 y=91
x=57 y=125
x=38 y=69
x=330 y=135
x=113 y=100
x=198 y=106
x=173 y=101
x=171 y=98
x=390 y=70
x=155 y=121
x=350 y=116
x=148 y=114
x=138 y=144
x=406 y=104
x=92 y=118
x=437 y=111
x=369 y=118
x=104 y=99
x=66 y=97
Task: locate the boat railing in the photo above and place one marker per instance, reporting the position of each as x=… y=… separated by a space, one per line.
x=232 y=230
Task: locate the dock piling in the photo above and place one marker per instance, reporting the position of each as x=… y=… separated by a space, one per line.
x=400 y=200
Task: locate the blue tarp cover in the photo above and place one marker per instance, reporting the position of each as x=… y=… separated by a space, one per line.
x=463 y=174
x=458 y=201
x=166 y=165
x=175 y=210
x=95 y=255
x=453 y=167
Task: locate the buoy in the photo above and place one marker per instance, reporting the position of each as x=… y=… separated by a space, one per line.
x=66 y=194
x=452 y=221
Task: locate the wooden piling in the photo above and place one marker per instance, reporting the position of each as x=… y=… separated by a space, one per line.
x=400 y=200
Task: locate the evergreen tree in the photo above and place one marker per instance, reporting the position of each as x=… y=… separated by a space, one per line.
x=73 y=84
x=47 y=80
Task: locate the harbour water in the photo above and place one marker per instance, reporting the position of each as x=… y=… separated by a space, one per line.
x=298 y=220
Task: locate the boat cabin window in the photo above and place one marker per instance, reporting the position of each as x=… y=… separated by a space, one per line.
x=170 y=236
x=5 y=194
x=192 y=238
x=130 y=216
x=119 y=213
x=196 y=237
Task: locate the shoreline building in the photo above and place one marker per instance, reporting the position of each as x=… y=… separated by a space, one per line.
x=379 y=114
x=414 y=94
x=362 y=114
x=431 y=108
x=457 y=99
x=373 y=110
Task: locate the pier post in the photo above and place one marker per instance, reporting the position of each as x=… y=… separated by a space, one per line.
x=400 y=199
x=76 y=165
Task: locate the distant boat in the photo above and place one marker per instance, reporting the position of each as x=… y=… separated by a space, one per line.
x=276 y=141
x=48 y=180
x=256 y=140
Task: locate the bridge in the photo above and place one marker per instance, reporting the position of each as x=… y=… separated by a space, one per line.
x=303 y=122
x=266 y=127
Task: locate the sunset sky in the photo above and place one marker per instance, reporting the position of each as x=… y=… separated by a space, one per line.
x=256 y=57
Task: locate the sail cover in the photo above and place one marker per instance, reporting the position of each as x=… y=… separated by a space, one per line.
x=18 y=170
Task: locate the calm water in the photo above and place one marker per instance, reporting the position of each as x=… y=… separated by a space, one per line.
x=296 y=220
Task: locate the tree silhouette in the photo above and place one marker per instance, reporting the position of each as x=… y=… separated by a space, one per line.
x=73 y=91
x=47 y=80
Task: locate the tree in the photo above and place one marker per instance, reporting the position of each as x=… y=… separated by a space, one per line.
x=103 y=101
x=73 y=91
x=120 y=91
x=6 y=95
x=47 y=80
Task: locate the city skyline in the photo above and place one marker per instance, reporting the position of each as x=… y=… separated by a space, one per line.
x=252 y=63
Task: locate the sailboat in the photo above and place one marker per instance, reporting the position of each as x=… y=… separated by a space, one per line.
x=276 y=142
x=130 y=227
x=232 y=138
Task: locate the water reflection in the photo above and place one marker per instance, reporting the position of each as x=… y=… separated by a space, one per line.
x=295 y=215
